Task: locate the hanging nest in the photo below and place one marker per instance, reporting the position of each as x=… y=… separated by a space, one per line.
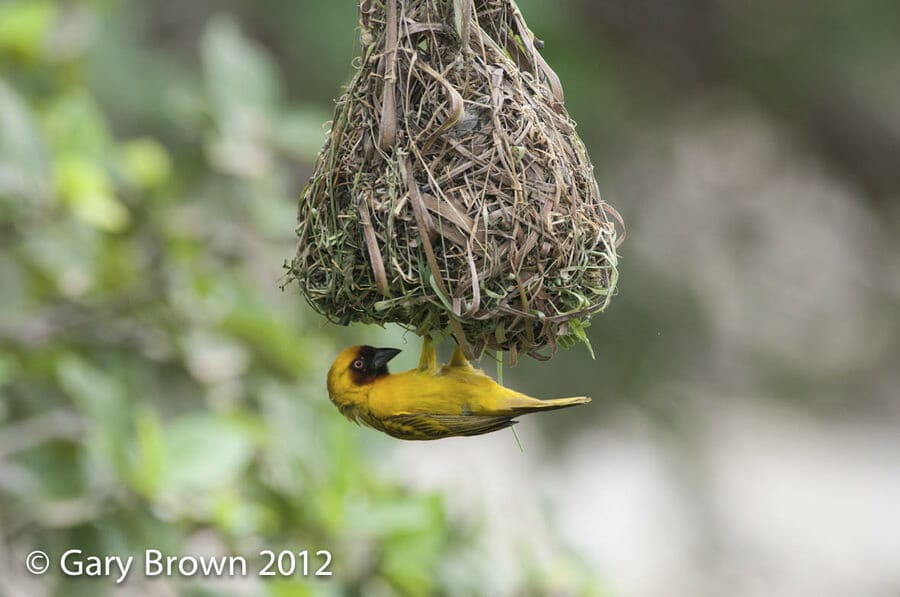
x=453 y=193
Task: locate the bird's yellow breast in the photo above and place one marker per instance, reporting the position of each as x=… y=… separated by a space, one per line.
x=442 y=393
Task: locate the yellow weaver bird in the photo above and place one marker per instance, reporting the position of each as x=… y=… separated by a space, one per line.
x=430 y=401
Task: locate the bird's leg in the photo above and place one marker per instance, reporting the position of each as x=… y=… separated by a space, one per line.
x=459 y=359
x=428 y=360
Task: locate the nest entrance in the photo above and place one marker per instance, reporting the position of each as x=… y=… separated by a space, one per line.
x=453 y=193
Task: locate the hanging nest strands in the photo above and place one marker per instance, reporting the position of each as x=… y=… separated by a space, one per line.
x=453 y=193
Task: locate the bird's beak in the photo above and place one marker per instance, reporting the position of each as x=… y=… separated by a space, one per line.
x=383 y=356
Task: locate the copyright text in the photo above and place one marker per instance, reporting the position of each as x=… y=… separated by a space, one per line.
x=153 y=563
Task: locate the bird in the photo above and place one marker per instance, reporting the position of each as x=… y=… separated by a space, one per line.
x=430 y=401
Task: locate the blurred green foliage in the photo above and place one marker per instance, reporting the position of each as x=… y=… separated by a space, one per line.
x=158 y=390
x=155 y=385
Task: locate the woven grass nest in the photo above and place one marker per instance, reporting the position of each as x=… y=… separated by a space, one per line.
x=453 y=195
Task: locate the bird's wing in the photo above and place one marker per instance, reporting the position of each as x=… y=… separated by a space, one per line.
x=424 y=427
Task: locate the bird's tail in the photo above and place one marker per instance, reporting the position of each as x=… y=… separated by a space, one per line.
x=521 y=405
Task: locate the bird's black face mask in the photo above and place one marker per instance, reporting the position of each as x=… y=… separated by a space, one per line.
x=371 y=363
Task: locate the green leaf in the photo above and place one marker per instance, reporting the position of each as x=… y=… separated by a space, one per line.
x=88 y=190
x=285 y=588
x=75 y=124
x=104 y=403
x=389 y=518
x=577 y=333
x=150 y=447
x=243 y=87
x=146 y=163
x=67 y=252
x=24 y=164
x=25 y=27
x=92 y=388
x=274 y=344
x=236 y=515
x=204 y=453
x=241 y=78
x=410 y=558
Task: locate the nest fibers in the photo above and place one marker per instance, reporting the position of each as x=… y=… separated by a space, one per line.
x=453 y=193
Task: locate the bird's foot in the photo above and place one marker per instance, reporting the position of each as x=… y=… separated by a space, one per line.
x=459 y=359
x=428 y=360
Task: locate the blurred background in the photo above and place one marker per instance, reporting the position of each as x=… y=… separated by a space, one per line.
x=157 y=389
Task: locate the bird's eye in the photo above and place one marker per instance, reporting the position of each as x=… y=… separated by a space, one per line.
x=358 y=364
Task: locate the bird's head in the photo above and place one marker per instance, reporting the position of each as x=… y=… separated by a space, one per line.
x=357 y=367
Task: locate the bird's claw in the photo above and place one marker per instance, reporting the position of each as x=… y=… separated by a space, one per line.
x=428 y=360
x=459 y=359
